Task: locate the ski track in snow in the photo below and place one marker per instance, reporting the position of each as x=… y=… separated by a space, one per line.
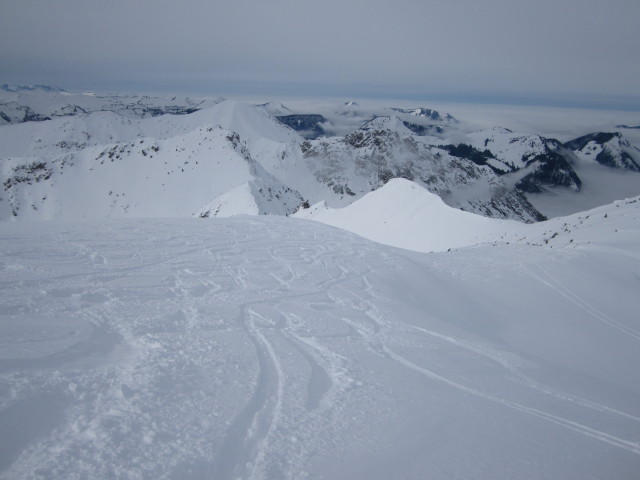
x=376 y=341
x=550 y=281
x=243 y=349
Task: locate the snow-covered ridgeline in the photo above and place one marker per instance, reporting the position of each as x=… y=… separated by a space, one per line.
x=48 y=165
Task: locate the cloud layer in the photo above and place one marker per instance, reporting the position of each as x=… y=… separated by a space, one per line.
x=406 y=47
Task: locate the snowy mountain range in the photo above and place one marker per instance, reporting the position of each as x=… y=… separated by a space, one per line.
x=149 y=156
x=306 y=291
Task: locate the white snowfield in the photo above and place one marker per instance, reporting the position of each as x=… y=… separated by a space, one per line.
x=279 y=348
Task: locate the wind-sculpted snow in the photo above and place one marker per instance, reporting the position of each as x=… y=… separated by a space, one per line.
x=276 y=348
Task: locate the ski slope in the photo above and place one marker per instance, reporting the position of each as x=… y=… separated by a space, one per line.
x=279 y=348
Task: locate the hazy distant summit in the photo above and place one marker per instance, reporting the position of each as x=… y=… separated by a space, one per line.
x=30 y=88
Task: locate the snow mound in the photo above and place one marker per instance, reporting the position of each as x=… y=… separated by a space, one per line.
x=404 y=214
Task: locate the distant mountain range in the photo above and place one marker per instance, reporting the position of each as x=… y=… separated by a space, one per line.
x=73 y=156
x=29 y=88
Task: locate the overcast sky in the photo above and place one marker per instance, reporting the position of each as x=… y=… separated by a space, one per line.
x=559 y=50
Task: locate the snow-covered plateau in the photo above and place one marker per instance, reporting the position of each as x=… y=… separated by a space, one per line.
x=164 y=313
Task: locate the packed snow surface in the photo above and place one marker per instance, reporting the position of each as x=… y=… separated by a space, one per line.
x=279 y=348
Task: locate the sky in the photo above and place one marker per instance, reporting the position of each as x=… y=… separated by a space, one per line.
x=576 y=52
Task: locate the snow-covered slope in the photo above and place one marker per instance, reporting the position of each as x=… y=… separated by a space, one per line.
x=280 y=348
x=103 y=164
x=561 y=179
x=536 y=162
x=392 y=123
x=351 y=150
x=263 y=195
x=406 y=215
x=403 y=214
x=270 y=347
x=146 y=177
x=610 y=149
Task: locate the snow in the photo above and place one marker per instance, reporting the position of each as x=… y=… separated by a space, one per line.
x=256 y=197
x=267 y=347
x=498 y=165
x=404 y=214
x=601 y=185
x=192 y=169
x=237 y=201
x=589 y=153
x=392 y=123
x=271 y=347
x=141 y=178
x=164 y=166
x=508 y=146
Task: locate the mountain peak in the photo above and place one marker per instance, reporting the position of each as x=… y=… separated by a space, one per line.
x=607 y=148
x=427 y=113
x=404 y=214
x=275 y=108
x=390 y=123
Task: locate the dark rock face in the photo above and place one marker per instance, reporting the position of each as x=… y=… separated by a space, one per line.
x=11 y=112
x=470 y=153
x=423 y=130
x=308 y=125
x=31 y=116
x=168 y=110
x=513 y=204
x=551 y=169
x=427 y=113
x=598 y=137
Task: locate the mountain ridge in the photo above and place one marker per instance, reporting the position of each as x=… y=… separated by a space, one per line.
x=495 y=172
